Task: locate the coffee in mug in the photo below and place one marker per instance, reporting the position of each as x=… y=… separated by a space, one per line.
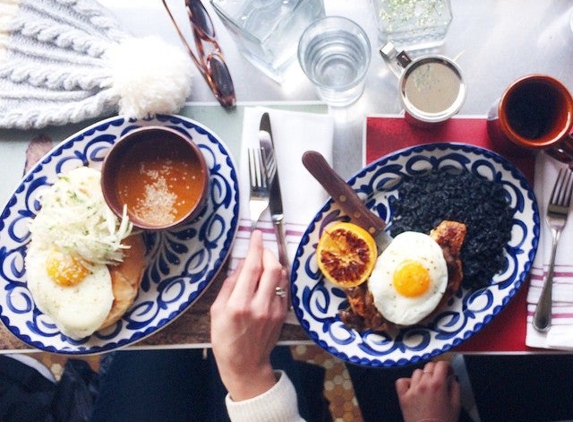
x=534 y=113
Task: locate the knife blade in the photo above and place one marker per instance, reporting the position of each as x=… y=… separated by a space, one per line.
x=346 y=198
x=275 y=203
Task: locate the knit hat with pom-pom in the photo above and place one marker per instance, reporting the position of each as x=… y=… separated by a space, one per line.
x=65 y=61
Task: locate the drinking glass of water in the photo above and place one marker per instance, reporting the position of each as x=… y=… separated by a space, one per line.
x=334 y=53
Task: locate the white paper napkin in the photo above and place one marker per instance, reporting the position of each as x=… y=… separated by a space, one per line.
x=293 y=134
x=560 y=335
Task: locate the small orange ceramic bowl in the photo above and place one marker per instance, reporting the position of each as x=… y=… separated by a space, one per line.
x=158 y=174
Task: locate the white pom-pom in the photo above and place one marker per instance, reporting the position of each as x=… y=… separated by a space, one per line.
x=150 y=76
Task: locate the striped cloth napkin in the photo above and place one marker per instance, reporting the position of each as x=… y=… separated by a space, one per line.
x=560 y=335
x=293 y=133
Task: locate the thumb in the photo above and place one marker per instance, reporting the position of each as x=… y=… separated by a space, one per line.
x=402 y=386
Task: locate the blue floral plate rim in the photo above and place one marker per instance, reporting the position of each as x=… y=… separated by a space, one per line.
x=182 y=262
x=316 y=302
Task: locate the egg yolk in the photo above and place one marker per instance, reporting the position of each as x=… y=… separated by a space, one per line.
x=411 y=279
x=65 y=269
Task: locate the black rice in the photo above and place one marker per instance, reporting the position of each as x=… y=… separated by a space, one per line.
x=425 y=201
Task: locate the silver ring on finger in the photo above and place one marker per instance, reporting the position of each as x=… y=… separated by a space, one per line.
x=280 y=292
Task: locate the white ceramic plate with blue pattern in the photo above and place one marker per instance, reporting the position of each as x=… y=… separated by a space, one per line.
x=317 y=302
x=182 y=262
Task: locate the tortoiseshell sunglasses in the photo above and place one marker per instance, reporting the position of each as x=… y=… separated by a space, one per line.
x=212 y=66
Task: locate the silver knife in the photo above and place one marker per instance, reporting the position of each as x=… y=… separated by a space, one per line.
x=276 y=203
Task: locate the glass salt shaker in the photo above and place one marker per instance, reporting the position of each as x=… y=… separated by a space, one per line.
x=413 y=24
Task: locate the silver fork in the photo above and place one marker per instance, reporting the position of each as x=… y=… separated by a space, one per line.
x=259 y=198
x=557 y=212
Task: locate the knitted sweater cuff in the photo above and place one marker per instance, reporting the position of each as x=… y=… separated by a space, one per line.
x=279 y=404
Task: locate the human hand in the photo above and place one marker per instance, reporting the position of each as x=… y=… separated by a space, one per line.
x=246 y=319
x=430 y=394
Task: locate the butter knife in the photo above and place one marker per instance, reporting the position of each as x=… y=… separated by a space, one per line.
x=276 y=203
x=346 y=198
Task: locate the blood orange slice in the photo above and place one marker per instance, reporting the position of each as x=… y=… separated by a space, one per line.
x=346 y=254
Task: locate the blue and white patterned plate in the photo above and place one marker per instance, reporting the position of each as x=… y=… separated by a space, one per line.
x=182 y=262
x=317 y=302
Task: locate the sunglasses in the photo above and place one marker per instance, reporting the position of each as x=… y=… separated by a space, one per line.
x=212 y=66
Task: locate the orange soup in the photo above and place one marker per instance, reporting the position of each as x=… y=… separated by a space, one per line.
x=161 y=184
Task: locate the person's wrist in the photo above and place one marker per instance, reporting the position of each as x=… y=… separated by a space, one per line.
x=244 y=385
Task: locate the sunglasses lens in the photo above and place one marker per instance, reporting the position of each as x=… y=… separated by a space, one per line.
x=200 y=18
x=221 y=77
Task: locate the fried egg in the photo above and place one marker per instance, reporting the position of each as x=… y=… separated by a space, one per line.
x=409 y=278
x=74 y=237
x=77 y=310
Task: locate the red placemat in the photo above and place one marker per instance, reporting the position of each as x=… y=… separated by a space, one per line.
x=387 y=134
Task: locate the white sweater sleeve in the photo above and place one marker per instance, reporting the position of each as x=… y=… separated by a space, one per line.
x=279 y=404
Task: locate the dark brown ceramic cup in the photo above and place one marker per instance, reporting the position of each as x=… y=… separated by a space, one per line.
x=534 y=113
x=159 y=174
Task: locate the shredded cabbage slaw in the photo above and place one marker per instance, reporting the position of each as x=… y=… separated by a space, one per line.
x=75 y=218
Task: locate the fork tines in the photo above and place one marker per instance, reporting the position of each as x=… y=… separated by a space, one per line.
x=563 y=188
x=257 y=171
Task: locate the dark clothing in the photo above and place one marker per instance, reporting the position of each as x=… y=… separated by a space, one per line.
x=507 y=388
x=184 y=385
x=140 y=386
x=524 y=388
x=27 y=396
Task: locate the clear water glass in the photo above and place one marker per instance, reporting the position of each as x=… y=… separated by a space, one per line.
x=413 y=24
x=266 y=32
x=334 y=53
